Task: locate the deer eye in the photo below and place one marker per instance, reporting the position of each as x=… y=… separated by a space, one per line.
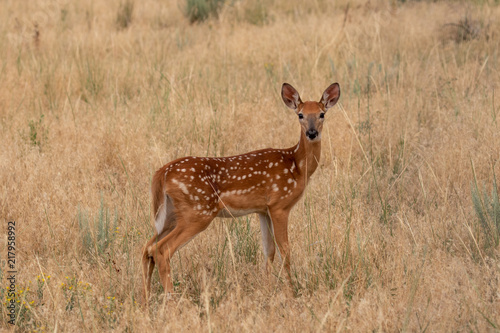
x=322 y=115
x=301 y=116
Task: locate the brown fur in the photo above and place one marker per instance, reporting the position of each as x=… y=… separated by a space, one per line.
x=195 y=190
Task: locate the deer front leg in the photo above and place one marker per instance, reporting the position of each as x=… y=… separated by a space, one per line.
x=269 y=248
x=266 y=228
x=280 y=225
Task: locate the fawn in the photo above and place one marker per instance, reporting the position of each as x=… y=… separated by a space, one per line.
x=189 y=192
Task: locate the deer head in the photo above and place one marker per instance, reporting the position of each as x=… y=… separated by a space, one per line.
x=311 y=114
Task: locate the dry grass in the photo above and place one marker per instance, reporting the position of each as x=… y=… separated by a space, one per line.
x=386 y=237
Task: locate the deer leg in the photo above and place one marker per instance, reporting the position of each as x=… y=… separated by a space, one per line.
x=148 y=263
x=164 y=250
x=280 y=225
x=266 y=228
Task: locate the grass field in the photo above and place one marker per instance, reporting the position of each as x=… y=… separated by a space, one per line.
x=397 y=231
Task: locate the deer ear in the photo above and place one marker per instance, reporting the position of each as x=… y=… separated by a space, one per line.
x=331 y=96
x=290 y=96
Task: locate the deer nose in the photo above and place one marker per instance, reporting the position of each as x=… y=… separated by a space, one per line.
x=312 y=134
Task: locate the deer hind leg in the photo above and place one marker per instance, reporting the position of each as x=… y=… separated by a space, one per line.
x=148 y=265
x=187 y=227
x=266 y=228
x=280 y=226
x=166 y=219
x=148 y=262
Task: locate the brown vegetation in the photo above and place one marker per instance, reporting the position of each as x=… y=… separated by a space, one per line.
x=396 y=231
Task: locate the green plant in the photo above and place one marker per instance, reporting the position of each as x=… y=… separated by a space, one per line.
x=97 y=237
x=246 y=244
x=124 y=15
x=256 y=13
x=487 y=210
x=37 y=135
x=200 y=10
x=91 y=77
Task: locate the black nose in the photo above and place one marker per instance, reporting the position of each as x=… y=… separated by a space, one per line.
x=312 y=134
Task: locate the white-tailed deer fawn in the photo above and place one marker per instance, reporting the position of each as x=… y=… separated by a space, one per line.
x=190 y=192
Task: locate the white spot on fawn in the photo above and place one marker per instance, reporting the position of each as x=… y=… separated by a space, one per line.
x=182 y=186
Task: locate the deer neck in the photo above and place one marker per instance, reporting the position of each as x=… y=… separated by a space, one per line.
x=307 y=155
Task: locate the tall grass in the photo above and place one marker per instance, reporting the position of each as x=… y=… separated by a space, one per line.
x=389 y=235
x=124 y=14
x=97 y=233
x=200 y=10
x=487 y=209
